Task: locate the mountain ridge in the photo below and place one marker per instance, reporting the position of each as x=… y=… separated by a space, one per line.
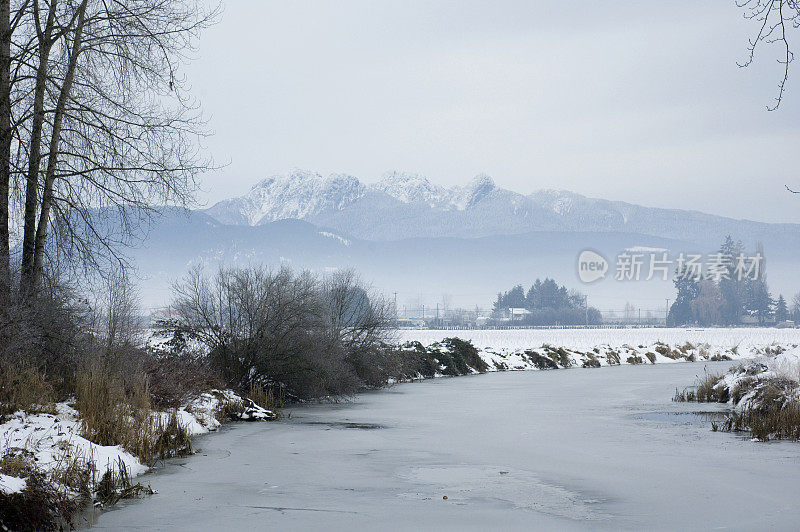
x=404 y=205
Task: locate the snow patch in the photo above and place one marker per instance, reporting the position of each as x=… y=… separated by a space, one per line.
x=335 y=237
x=9 y=484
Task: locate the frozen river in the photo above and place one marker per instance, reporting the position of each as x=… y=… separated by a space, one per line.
x=568 y=449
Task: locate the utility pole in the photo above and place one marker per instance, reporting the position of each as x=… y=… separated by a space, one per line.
x=395 y=306
x=666 y=315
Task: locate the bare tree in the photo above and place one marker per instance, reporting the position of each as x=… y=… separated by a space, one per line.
x=97 y=128
x=359 y=318
x=117 y=315
x=795 y=309
x=315 y=337
x=774 y=19
x=5 y=147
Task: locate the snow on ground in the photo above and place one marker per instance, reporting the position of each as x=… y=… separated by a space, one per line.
x=748 y=339
x=746 y=382
x=54 y=440
x=506 y=349
x=9 y=484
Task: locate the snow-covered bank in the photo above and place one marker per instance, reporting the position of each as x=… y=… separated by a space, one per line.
x=744 y=382
x=522 y=349
x=764 y=393
x=50 y=442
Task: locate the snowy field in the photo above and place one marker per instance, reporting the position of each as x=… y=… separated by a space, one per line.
x=602 y=449
x=747 y=339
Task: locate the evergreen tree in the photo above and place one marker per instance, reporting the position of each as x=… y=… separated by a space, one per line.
x=549 y=304
x=730 y=287
x=680 y=313
x=781 y=309
x=759 y=301
x=549 y=294
x=515 y=298
x=498 y=303
x=533 y=300
x=707 y=306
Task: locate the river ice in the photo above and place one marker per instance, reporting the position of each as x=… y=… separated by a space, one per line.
x=564 y=449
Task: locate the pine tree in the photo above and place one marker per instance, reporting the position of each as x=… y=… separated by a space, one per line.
x=498 y=303
x=759 y=300
x=680 y=313
x=781 y=309
x=707 y=305
x=515 y=298
x=731 y=288
x=533 y=299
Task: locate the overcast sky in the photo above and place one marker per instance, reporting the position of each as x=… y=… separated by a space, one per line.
x=635 y=101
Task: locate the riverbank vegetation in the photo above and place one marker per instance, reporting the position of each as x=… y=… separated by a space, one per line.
x=764 y=394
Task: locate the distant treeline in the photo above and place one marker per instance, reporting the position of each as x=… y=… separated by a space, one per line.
x=725 y=296
x=545 y=303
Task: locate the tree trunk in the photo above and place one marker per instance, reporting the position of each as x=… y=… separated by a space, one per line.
x=35 y=154
x=5 y=149
x=55 y=139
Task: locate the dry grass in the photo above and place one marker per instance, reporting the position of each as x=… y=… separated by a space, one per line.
x=591 y=362
x=776 y=423
x=706 y=391
x=663 y=349
x=24 y=388
x=558 y=355
x=113 y=413
x=688 y=395
x=115 y=485
x=265 y=397
x=742 y=388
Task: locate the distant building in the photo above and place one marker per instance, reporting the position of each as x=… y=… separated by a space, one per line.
x=517 y=313
x=410 y=322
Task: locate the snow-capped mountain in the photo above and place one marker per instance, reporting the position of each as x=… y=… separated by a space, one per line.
x=303 y=195
x=296 y=195
x=403 y=205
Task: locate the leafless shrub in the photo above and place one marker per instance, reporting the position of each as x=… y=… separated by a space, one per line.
x=284 y=329
x=175 y=378
x=47 y=336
